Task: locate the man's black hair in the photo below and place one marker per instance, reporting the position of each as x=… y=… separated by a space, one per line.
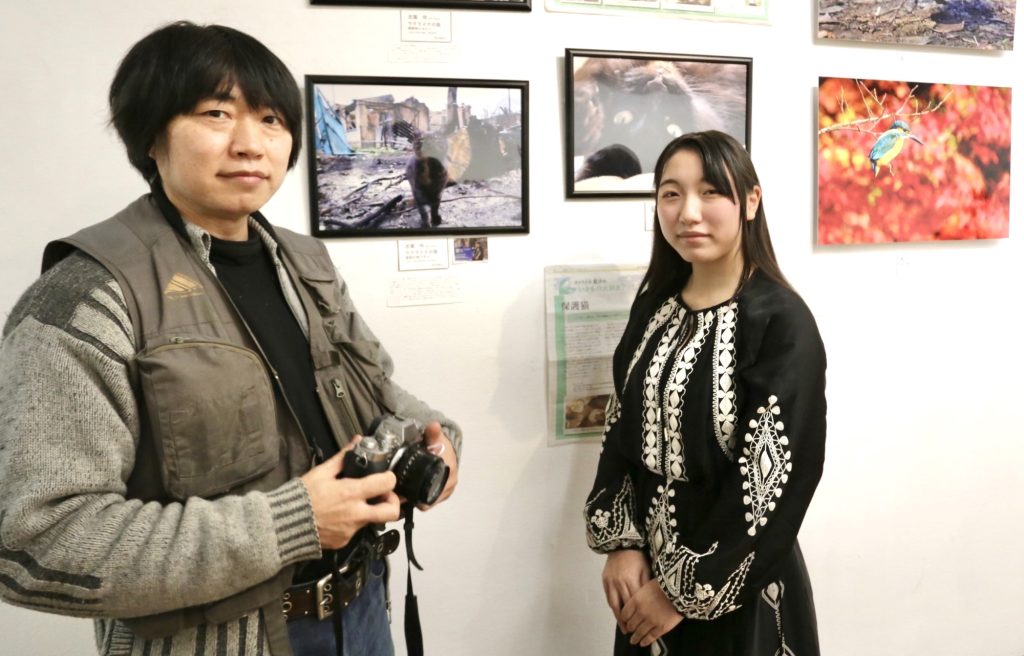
x=171 y=70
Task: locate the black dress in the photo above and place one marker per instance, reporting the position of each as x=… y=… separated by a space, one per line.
x=713 y=446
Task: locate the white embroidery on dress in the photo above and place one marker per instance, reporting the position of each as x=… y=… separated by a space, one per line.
x=672 y=403
x=766 y=464
x=651 y=412
x=772 y=595
x=675 y=565
x=612 y=412
x=667 y=309
x=724 y=361
x=613 y=527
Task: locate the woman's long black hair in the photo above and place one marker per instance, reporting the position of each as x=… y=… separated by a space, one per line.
x=727 y=166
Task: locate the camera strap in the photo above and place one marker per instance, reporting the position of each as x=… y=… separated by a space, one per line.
x=413 y=631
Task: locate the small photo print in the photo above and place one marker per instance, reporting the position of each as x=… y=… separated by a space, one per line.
x=585 y=412
x=469 y=249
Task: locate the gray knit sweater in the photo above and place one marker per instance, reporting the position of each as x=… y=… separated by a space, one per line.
x=70 y=542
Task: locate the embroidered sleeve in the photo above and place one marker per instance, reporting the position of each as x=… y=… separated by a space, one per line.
x=776 y=463
x=610 y=519
x=611 y=510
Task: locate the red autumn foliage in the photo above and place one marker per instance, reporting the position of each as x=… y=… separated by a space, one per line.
x=954 y=186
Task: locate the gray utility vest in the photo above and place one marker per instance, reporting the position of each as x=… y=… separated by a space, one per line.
x=198 y=372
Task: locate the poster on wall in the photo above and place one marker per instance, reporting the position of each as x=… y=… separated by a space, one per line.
x=974 y=24
x=621 y=108
x=744 y=11
x=416 y=156
x=912 y=161
x=510 y=5
x=586 y=309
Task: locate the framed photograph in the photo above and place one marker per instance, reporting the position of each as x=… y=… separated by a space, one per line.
x=971 y=24
x=509 y=5
x=417 y=156
x=912 y=161
x=622 y=108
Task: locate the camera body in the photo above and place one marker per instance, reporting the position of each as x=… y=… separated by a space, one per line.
x=396 y=443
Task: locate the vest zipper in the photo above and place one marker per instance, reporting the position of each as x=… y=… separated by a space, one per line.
x=339 y=393
x=312 y=445
x=175 y=342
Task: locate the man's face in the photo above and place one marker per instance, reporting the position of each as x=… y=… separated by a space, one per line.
x=222 y=161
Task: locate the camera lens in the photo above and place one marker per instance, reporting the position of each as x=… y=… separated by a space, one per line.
x=421 y=475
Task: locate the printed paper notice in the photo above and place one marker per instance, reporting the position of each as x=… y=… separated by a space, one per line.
x=587 y=308
x=419 y=254
x=424 y=290
x=425 y=25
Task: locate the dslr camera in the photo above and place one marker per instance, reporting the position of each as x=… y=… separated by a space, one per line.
x=396 y=443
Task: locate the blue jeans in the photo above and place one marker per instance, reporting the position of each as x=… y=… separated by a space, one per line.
x=365 y=627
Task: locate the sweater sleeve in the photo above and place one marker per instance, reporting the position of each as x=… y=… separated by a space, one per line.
x=777 y=462
x=70 y=540
x=407 y=404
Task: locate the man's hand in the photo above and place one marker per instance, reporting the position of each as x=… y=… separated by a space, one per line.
x=624 y=573
x=649 y=614
x=438 y=443
x=342 y=506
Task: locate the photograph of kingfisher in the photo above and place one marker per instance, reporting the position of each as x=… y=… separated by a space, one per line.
x=953 y=182
x=889 y=144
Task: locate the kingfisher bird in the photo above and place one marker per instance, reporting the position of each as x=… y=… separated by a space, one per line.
x=889 y=145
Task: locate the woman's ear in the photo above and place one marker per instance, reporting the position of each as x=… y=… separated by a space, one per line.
x=753 y=201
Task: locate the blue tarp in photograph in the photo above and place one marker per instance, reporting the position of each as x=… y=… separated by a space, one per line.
x=330 y=132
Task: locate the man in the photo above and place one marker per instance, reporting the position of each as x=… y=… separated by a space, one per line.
x=177 y=388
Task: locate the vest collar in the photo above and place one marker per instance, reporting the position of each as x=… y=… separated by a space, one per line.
x=200 y=238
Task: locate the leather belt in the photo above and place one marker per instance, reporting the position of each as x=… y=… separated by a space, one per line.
x=336 y=590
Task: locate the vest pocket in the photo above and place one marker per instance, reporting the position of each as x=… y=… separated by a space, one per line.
x=325 y=292
x=357 y=360
x=211 y=411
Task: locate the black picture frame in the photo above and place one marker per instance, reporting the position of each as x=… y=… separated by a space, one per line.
x=505 y=5
x=363 y=138
x=622 y=108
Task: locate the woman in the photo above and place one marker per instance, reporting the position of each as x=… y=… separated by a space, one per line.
x=715 y=433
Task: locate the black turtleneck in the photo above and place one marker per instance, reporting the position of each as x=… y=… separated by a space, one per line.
x=247 y=273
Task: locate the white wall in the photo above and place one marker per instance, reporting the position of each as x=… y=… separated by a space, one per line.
x=914 y=538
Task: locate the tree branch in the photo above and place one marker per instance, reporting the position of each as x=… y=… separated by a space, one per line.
x=856 y=125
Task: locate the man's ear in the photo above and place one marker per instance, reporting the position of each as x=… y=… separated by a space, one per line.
x=158 y=145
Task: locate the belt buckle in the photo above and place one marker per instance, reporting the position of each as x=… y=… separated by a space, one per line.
x=325 y=597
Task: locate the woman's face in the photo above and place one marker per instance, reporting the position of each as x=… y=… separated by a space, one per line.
x=701 y=223
x=222 y=161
